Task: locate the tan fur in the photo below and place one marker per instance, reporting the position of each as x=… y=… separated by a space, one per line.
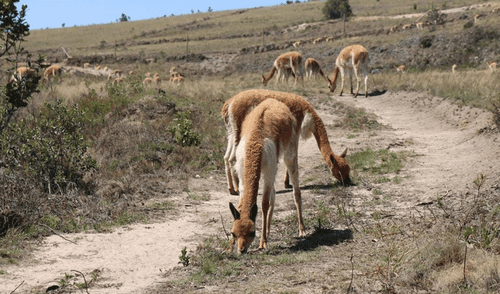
x=476 y=17
x=329 y=39
x=268 y=132
x=157 y=80
x=118 y=81
x=239 y=106
x=492 y=66
x=453 y=68
x=117 y=72
x=420 y=25
x=297 y=44
x=97 y=67
x=408 y=26
x=147 y=81
x=354 y=57
x=52 y=71
x=401 y=68
x=292 y=60
x=148 y=75
x=21 y=72
x=317 y=41
x=86 y=65
x=313 y=69
x=131 y=72
x=395 y=28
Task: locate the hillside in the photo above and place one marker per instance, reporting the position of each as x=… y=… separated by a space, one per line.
x=118 y=186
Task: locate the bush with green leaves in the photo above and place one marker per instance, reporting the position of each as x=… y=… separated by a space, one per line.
x=51 y=147
x=182 y=130
x=335 y=9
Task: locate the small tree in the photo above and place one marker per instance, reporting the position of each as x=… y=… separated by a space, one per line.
x=335 y=9
x=63 y=25
x=123 y=18
x=210 y=9
x=13 y=29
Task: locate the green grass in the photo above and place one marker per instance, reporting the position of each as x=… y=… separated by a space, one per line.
x=379 y=162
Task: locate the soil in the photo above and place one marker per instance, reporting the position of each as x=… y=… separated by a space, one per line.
x=451 y=145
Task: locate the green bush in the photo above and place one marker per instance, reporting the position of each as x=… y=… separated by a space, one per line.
x=182 y=130
x=335 y=9
x=51 y=147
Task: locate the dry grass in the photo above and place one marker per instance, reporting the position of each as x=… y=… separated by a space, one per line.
x=478 y=88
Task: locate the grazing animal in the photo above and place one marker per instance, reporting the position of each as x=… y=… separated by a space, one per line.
x=355 y=58
x=476 y=17
x=53 y=71
x=329 y=39
x=453 y=68
x=313 y=69
x=292 y=60
x=157 y=79
x=408 y=26
x=21 y=72
x=420 y=25
x=401 y=68
x=86 y=65
x=496 y=10
x=235 y=110
x=117 y=73
x=97 y=67
x=268 y=133
x=395 y=28
x=131 y=72
x=147 y=82
x=492 y=66
x=297 y=44
x=118 y=81
x=317 y=41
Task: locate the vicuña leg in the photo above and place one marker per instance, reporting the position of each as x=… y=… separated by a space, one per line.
x=293 y=169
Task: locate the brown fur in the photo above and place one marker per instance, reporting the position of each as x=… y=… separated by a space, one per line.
x=313 y=68
x=354 y=57
x=271 y=120
x=401 y=68
x=492 y=66
x=52 y=71
x=239 y=106
x=453 y=68
x=21 y=72
x=291 y=60
x=117 y=81
x=147 y=81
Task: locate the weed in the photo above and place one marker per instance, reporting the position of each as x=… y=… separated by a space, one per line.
x=184 y=259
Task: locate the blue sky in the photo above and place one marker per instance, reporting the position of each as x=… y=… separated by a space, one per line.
x=53 y=13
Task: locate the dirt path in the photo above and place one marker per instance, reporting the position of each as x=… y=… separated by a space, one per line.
x=449 y=151
x=446 y=139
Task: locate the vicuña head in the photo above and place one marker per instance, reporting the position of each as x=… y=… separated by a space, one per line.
x=243 y=231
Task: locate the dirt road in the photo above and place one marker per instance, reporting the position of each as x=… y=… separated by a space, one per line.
x=449 y=143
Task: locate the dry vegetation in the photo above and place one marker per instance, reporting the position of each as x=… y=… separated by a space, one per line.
x=148 y=141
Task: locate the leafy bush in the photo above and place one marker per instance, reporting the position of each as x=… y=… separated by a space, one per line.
x=182 y=130
x=334 y=9
x=51 y=147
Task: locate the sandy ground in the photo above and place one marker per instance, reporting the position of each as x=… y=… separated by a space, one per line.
x=450 y=144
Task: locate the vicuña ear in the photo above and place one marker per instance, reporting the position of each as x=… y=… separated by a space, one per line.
x=235 y=213
x=344 y=153
x=253 y=213
x=332 y=159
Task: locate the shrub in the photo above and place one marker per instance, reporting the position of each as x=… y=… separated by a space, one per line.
x=334 y=9
x=182 y=130
x=51 y=147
